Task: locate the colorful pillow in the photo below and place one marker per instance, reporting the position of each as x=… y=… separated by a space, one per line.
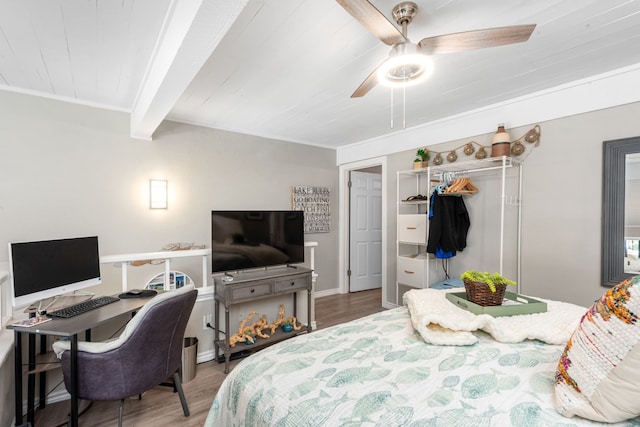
x=598 y=375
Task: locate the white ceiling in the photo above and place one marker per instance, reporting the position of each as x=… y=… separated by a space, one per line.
x=285 y=69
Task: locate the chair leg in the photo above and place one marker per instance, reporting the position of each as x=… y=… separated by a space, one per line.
x=178 y=384
x=120 y=412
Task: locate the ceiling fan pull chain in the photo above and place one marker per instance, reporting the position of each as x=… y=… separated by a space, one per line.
x=391 y=117
x=404 y=108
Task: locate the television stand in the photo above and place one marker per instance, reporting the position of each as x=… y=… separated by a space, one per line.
x=253 y=286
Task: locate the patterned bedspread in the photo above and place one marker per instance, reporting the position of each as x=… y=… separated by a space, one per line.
x=376 y=371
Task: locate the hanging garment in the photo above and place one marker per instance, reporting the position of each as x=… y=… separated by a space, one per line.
x=448 y=225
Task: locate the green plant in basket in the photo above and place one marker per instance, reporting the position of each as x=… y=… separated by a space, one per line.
x=491 y=279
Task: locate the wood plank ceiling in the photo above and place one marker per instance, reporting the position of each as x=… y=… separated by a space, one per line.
x=285 y=69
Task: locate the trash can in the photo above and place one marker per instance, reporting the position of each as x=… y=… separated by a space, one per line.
x=189 y=357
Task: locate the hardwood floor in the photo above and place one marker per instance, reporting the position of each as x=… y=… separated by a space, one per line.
x=161 y=407
x=337 y=309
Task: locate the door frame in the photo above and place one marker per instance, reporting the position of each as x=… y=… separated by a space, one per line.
x=343 y=223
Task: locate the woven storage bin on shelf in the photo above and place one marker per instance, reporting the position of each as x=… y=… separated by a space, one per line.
x=480 y=293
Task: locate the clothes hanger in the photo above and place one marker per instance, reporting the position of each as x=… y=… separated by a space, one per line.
x=472 y=187
x=458 y=184
x=462 y=186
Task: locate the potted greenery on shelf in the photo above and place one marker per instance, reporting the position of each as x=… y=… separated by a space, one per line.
x=485 y=289
x=417 y=163
x=422 y=158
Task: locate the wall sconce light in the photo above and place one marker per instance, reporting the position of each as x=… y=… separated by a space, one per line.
x=158 y=194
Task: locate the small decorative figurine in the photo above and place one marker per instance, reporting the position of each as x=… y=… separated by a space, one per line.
x=287 y=326
x=281 y=319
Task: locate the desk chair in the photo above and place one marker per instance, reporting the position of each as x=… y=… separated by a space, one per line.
x=148 y=352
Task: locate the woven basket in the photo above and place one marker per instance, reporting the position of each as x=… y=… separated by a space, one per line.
x=480 y=293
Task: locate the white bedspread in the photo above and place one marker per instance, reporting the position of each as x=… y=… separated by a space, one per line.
x=440 y=322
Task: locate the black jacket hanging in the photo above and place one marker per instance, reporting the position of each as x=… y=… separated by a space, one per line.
x=448 y=224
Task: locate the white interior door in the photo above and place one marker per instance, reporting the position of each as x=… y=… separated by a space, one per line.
x=365 y=235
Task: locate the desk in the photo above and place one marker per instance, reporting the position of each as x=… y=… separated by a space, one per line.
x=69 y=328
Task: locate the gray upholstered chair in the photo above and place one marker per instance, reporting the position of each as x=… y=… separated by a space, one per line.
x=148 y=352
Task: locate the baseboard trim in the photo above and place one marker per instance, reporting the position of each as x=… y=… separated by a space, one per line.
x=388 y=305
x=205 y=356
x=53 y=397
x=326 y=293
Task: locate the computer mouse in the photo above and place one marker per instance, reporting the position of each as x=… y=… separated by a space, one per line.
x=134 y=292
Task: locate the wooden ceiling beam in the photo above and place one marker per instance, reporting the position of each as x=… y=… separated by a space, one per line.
x=191 y=32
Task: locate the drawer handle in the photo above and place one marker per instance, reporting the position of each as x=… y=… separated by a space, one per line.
x=412 y=228
x=409 y=272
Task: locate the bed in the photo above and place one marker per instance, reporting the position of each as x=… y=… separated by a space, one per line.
x=379 y=371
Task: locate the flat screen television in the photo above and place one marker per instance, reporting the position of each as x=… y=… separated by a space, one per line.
x=243 y=240
x=47 y=268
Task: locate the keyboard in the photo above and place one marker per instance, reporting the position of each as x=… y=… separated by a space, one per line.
x=83 y=307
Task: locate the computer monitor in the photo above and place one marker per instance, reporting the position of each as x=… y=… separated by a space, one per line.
x=44 y=269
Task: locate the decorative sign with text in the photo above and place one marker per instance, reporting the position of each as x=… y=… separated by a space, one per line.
x=315 y=202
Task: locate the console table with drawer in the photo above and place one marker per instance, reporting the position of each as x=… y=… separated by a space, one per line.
x=251 y=286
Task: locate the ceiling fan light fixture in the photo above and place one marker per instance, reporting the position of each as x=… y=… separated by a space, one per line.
x=409 y=70
x=405 y=67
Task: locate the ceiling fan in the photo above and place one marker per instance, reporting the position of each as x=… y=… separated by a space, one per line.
x=409 y=63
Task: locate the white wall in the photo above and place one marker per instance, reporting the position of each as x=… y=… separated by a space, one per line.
x=593 y=93
x=71 y=170
x=561 y=232
x=563 y=204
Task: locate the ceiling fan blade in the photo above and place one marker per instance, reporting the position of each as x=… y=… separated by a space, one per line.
x=367 y=84
x=373 y=20
x=477 y=39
